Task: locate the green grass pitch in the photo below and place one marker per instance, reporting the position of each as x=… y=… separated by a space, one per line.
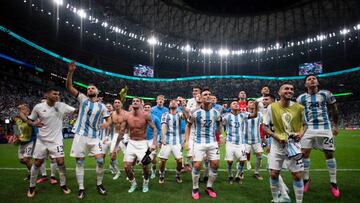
x=13 y=187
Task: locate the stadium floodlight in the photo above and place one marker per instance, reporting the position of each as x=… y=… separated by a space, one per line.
x=187 y=48
x=223 y=52
x=81 y=13
x=277 y=45
x=58 y=2
x=344 y=31
x=104 y=24
x=206 y=51
x=152 y=41
x=259 y=50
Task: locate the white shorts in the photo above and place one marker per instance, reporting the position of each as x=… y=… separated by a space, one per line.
x=166 y=150
x=80 y=143
x=26 y=150
x=190 y=152
x=135 y=149
x=277 y=158
x=43 y=149
x=318 y=139
x=257 y=148
x=211 y=151
x=106 y=147
x=235 y=151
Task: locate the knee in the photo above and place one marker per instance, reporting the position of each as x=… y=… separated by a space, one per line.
x=297 y=176
x=306 y=153
x=80 y=162
x=38 y=162
x=214 y=165
x=274 y=174
x=100 y=161
x=329 y=154
x=197 y=165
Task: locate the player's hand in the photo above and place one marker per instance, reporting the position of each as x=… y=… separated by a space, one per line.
x=335 y=131
x=186 y=146
x=103 y=126
x=152 y=147
x=106 y=139
x=72 y=66
x=38 y=124
x=114 y=154
x=298 y=137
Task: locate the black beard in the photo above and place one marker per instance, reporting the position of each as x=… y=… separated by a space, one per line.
x=91 y=95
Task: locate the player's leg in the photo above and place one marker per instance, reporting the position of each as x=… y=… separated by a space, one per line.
x=276 y=160
x=199 y=153
x=33 y=175
x=306 y=160
x=44 y=176
x=162 y=170
x=331 y=165
x=213 y=154
x=40 y=153
x=25 y=153
x=113 y=160
x=229 y=157
x=78 y=149
x=53 y=166
x=258 y=152
x=163 y=155
x=177 y=152
x=206 y=166
x=95 y=149
x=62 y=175
x=248 y=150
x=240 y=156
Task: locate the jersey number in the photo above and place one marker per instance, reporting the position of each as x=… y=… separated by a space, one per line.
x=60 y=149
x=328 y=140
x=207 y=123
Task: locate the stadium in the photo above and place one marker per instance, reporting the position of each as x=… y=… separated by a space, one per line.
x=113 y=100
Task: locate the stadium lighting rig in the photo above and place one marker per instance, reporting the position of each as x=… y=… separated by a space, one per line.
x=319 y=38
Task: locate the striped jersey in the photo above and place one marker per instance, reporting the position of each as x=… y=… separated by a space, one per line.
x=234 y=125
x=204 y=125
x=252 y=129
x=105 y=132
x=173 y=128
x=315 y=107
x=91 y=115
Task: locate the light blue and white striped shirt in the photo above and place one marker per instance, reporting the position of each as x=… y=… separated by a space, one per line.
x=205 y=125
x=234 y=125
x=105 y=131
x=91 y=115
x=315 y=107
x=173 y=128
x=252 y=129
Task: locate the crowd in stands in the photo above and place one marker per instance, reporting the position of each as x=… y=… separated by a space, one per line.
x=18 y=84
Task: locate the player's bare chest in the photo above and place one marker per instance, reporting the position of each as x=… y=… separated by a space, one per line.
x=136 y=122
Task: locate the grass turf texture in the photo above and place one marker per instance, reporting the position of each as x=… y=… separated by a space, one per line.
x=14 y=188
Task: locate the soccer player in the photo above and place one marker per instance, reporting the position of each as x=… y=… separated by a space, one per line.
x=25 y=136
x=87 y=131
x=48 y=117
x=192 y=103
x=205 y=120
x=158 y=111
x=189 y=131
x=137 y=147
x=242 y=101
x=106 y=137
x=286 y=118
x=235 y=147
x=149 y=136
x=284 y=196
x=264 y=91
x=319 y=133
x=252 y=137
x=171 y=139
x=117 y=117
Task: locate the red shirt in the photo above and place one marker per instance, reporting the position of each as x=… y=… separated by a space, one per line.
x=242 y=106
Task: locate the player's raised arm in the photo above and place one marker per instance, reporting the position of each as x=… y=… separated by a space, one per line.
x=69 y=81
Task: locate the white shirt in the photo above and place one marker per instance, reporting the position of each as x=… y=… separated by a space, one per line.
x=52 y=118
x=192 y=104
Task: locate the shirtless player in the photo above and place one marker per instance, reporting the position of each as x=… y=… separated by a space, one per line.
x=136 y=121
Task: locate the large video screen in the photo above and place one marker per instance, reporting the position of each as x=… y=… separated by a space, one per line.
x=144 y=71
x=310 y=68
